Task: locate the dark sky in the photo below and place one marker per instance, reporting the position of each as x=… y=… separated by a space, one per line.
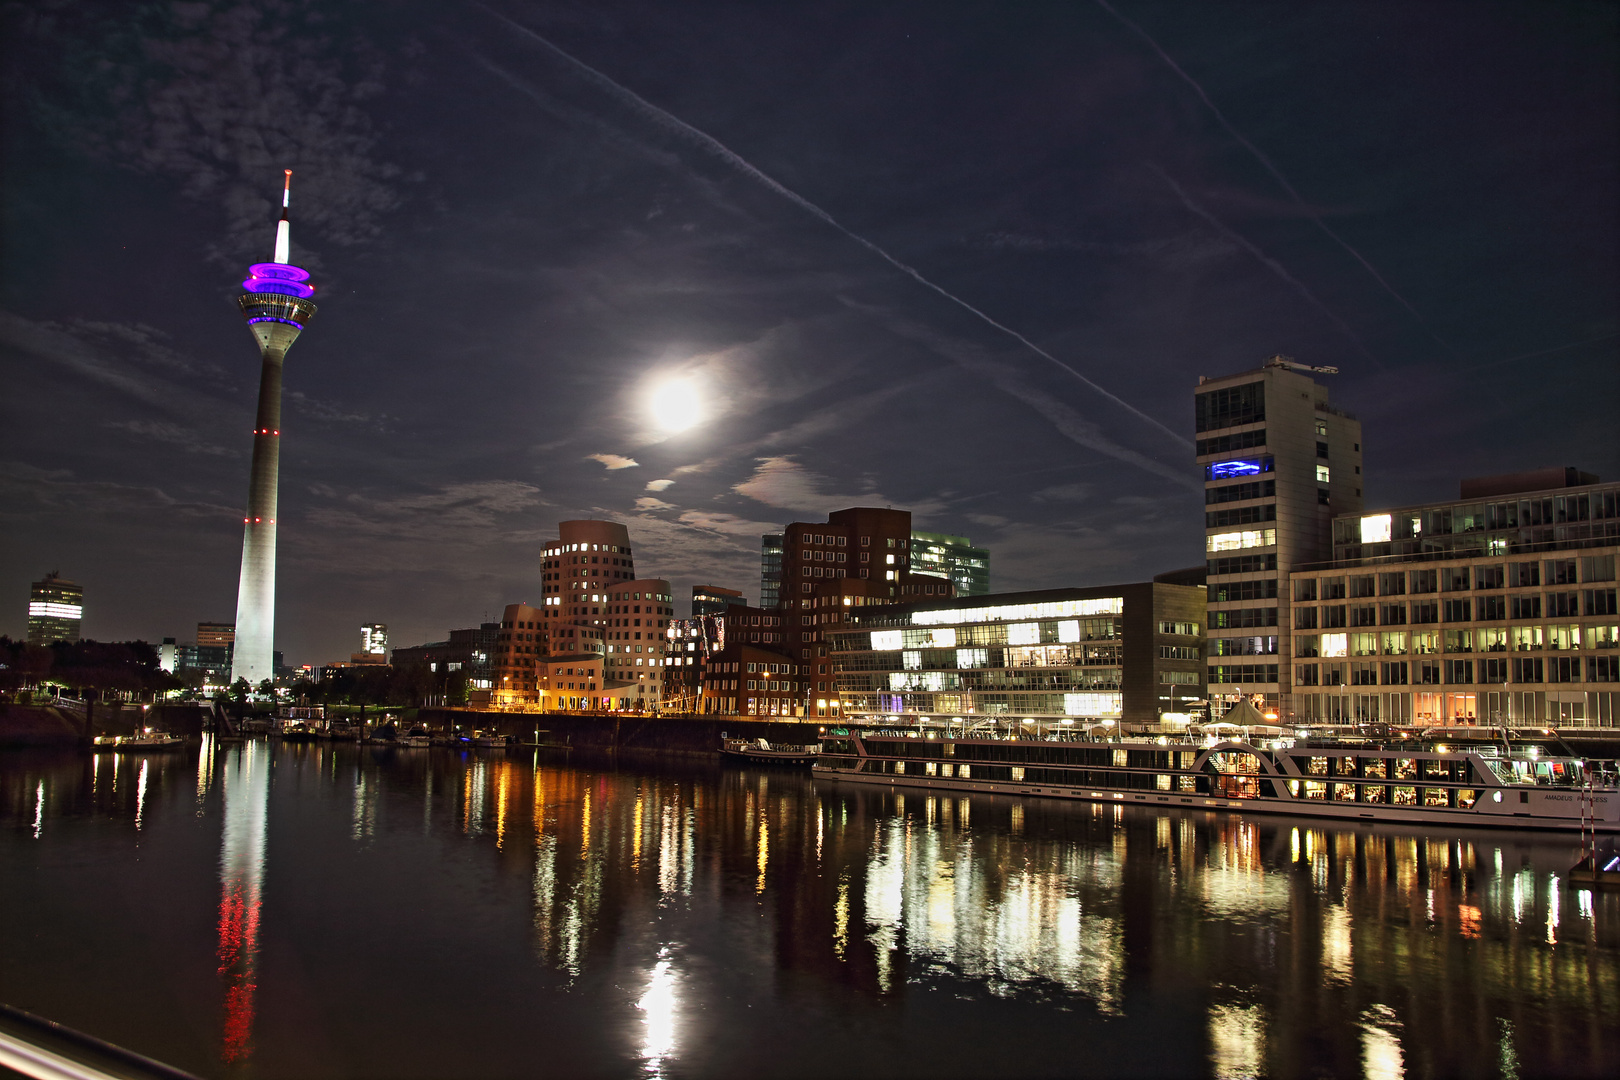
x=967 y=259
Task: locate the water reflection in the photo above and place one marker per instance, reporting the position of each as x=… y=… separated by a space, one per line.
x=241 y=874
x=680 y=905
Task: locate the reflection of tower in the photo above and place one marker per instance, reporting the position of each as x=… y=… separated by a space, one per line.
x=241 y=874
x=276 y=306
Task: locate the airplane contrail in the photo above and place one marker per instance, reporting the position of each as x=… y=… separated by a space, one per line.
x=674 y=124
x=1271 y=168
x=1272 y=264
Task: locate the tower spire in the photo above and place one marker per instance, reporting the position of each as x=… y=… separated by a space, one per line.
x=284 y=227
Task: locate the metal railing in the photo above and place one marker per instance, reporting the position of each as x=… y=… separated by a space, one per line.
x=45 y=1050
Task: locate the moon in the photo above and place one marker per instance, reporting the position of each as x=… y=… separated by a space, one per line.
x=676 y=405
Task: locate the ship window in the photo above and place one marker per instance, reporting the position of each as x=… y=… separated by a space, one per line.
x=1466 y=797
x=1405 y=769
x=1017 y=772
x=930 y=769
x=964 y=771
x=1163 y=781
x=1375 y=768
x=1373 y=793
x=945 y=768
x=899 y=766
x=1315 y=789
x=1344 y=792
x=1403 y=796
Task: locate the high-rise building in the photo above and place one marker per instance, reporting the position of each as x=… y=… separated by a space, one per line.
x=216 y=635
x=1279 y=462
x=953 y=558
x=714 y=600
x=374 y=639
x=599 y=639
x=276 y=304
x=770 y=570
x=55 y=610
x=1496 y=608
x=167 y=658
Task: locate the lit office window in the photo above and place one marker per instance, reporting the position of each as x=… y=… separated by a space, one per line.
x=1248 y=539
x=1375 y=529
x=1322 y=474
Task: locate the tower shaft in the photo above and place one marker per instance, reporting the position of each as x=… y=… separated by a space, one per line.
x=254 y=657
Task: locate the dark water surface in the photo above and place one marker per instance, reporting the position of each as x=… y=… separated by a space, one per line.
x=267 y=910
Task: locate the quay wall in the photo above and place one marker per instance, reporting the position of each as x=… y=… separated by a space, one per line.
x=661 y=734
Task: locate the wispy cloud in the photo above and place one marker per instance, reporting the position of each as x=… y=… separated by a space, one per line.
x=613 y=461
x=172 y=435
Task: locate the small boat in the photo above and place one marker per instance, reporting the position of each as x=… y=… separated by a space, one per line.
x=299 y=733
x=762 y=752
x=1599 y=868
x=488 y=739
x=148 y=740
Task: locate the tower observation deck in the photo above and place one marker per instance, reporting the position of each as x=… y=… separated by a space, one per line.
x=276 y=304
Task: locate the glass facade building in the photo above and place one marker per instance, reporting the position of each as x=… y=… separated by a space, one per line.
x=55 y=610
x=770 y=570
x=1122 y=654
x=953 y=558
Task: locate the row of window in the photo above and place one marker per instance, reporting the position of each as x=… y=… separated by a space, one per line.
x=1558 y=637
x=1492 y=671
x=1513 y=575
x=1517 y=606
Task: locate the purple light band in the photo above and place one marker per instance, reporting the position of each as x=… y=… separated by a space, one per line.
x=272 y=318
x=283 y=278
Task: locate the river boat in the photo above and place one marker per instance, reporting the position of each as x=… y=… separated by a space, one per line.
x=763 y=752
x=1426 y=783
x=141 y=741
x=488 y=739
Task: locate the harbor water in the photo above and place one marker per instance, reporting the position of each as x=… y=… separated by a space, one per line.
x=260 y=909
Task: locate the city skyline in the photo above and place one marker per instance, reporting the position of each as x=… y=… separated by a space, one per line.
x=1146 y=194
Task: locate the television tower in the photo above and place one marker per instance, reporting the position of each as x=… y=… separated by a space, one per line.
x=276 y=305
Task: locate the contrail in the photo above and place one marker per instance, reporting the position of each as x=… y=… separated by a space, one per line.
x=1548 y=352
x=674 y=124
x=1272 y=264
x=1272 y=169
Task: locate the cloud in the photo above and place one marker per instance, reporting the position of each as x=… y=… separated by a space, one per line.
x=1063 y=493
x=784 y=483
x=648 y=503
x=659 y=485
x=613 y=461
x=327 y=412
x=173 y=435
x=222 y=98
x=26 y=490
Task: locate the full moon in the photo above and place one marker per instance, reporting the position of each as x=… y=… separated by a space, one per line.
x=676 y=405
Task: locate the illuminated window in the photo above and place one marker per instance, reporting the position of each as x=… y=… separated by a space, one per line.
x=1375 y=529
x=1323 y=474
x=1227 y=470
x=1248 y=539
x=1024 y=634
x=886 y=640
x=1335 y=644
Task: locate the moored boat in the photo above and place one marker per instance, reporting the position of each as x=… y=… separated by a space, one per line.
x=763 y=752
x=1478 y=785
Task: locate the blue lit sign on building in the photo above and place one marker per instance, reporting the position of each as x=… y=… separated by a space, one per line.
x=1226 y=470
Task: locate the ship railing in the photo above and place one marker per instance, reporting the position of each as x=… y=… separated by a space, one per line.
x=45 y=1050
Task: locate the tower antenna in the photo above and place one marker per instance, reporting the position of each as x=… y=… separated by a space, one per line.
x=284 y=227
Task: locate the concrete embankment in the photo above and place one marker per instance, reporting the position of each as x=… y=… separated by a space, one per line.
x=662 y=734
x=64 y=725
x=39 y=725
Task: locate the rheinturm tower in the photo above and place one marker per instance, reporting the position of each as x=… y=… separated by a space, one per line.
x=276 y=304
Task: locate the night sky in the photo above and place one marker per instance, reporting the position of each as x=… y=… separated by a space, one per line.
x=966 y=259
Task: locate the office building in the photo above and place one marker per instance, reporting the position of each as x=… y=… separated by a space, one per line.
x=167 y=655
x=714 y=600
x=276 y=304
x=374 y=639
x=1495 y=608
x=599 y=638
x=1279 y=463
x=770 y=570
x=953 y=558
x=1116 y=655
x=216 y=635
x=469 y=651
x=55 y=610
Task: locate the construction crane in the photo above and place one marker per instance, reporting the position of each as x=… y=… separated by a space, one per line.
x=1294 y=365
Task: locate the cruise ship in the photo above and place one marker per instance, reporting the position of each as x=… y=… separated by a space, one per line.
x=1479 y=784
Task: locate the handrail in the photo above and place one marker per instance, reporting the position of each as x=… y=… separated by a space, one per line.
x=45 y=1050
